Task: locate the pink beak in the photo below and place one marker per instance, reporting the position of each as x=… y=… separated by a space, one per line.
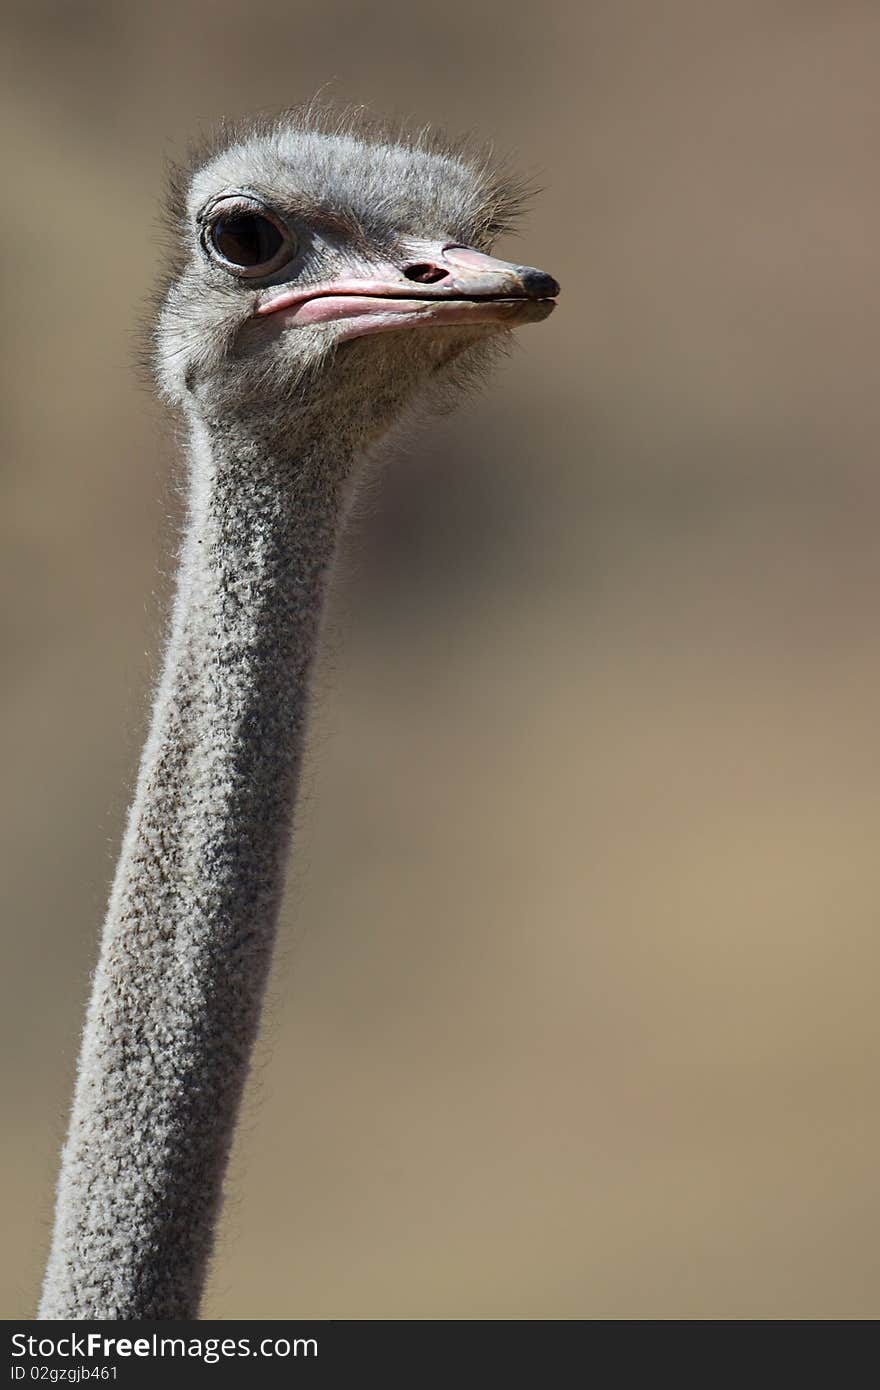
x=448 y=284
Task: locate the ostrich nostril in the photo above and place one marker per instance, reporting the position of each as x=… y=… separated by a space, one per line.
x=425 y=274
x=537 y=284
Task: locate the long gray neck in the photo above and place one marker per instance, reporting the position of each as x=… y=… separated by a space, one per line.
x=188 y=937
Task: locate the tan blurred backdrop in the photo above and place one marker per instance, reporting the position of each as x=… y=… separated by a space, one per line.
x=574 y=1012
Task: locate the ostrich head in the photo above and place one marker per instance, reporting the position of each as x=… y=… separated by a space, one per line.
x=339 y=272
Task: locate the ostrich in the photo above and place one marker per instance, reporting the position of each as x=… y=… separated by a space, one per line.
x=330 y=278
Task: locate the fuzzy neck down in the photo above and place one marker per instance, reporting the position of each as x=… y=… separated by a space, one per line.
x=188 y=937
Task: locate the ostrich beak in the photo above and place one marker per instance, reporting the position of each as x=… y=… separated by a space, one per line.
x=441 y=284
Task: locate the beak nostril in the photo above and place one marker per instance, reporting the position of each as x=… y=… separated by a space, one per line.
x=425 y=274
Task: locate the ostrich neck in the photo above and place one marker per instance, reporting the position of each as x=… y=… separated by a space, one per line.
x=188 y=936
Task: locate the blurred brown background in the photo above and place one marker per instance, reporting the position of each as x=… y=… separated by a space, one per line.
x=574 y=1012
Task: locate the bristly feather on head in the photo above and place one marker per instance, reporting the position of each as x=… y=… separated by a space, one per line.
x=500 y=193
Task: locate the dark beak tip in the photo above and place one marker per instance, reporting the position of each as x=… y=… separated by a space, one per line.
x=538 y=284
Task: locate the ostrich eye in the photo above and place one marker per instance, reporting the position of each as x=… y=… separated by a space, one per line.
x=249 y=242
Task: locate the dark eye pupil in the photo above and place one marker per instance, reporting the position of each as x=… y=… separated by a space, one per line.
x=246 y=239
